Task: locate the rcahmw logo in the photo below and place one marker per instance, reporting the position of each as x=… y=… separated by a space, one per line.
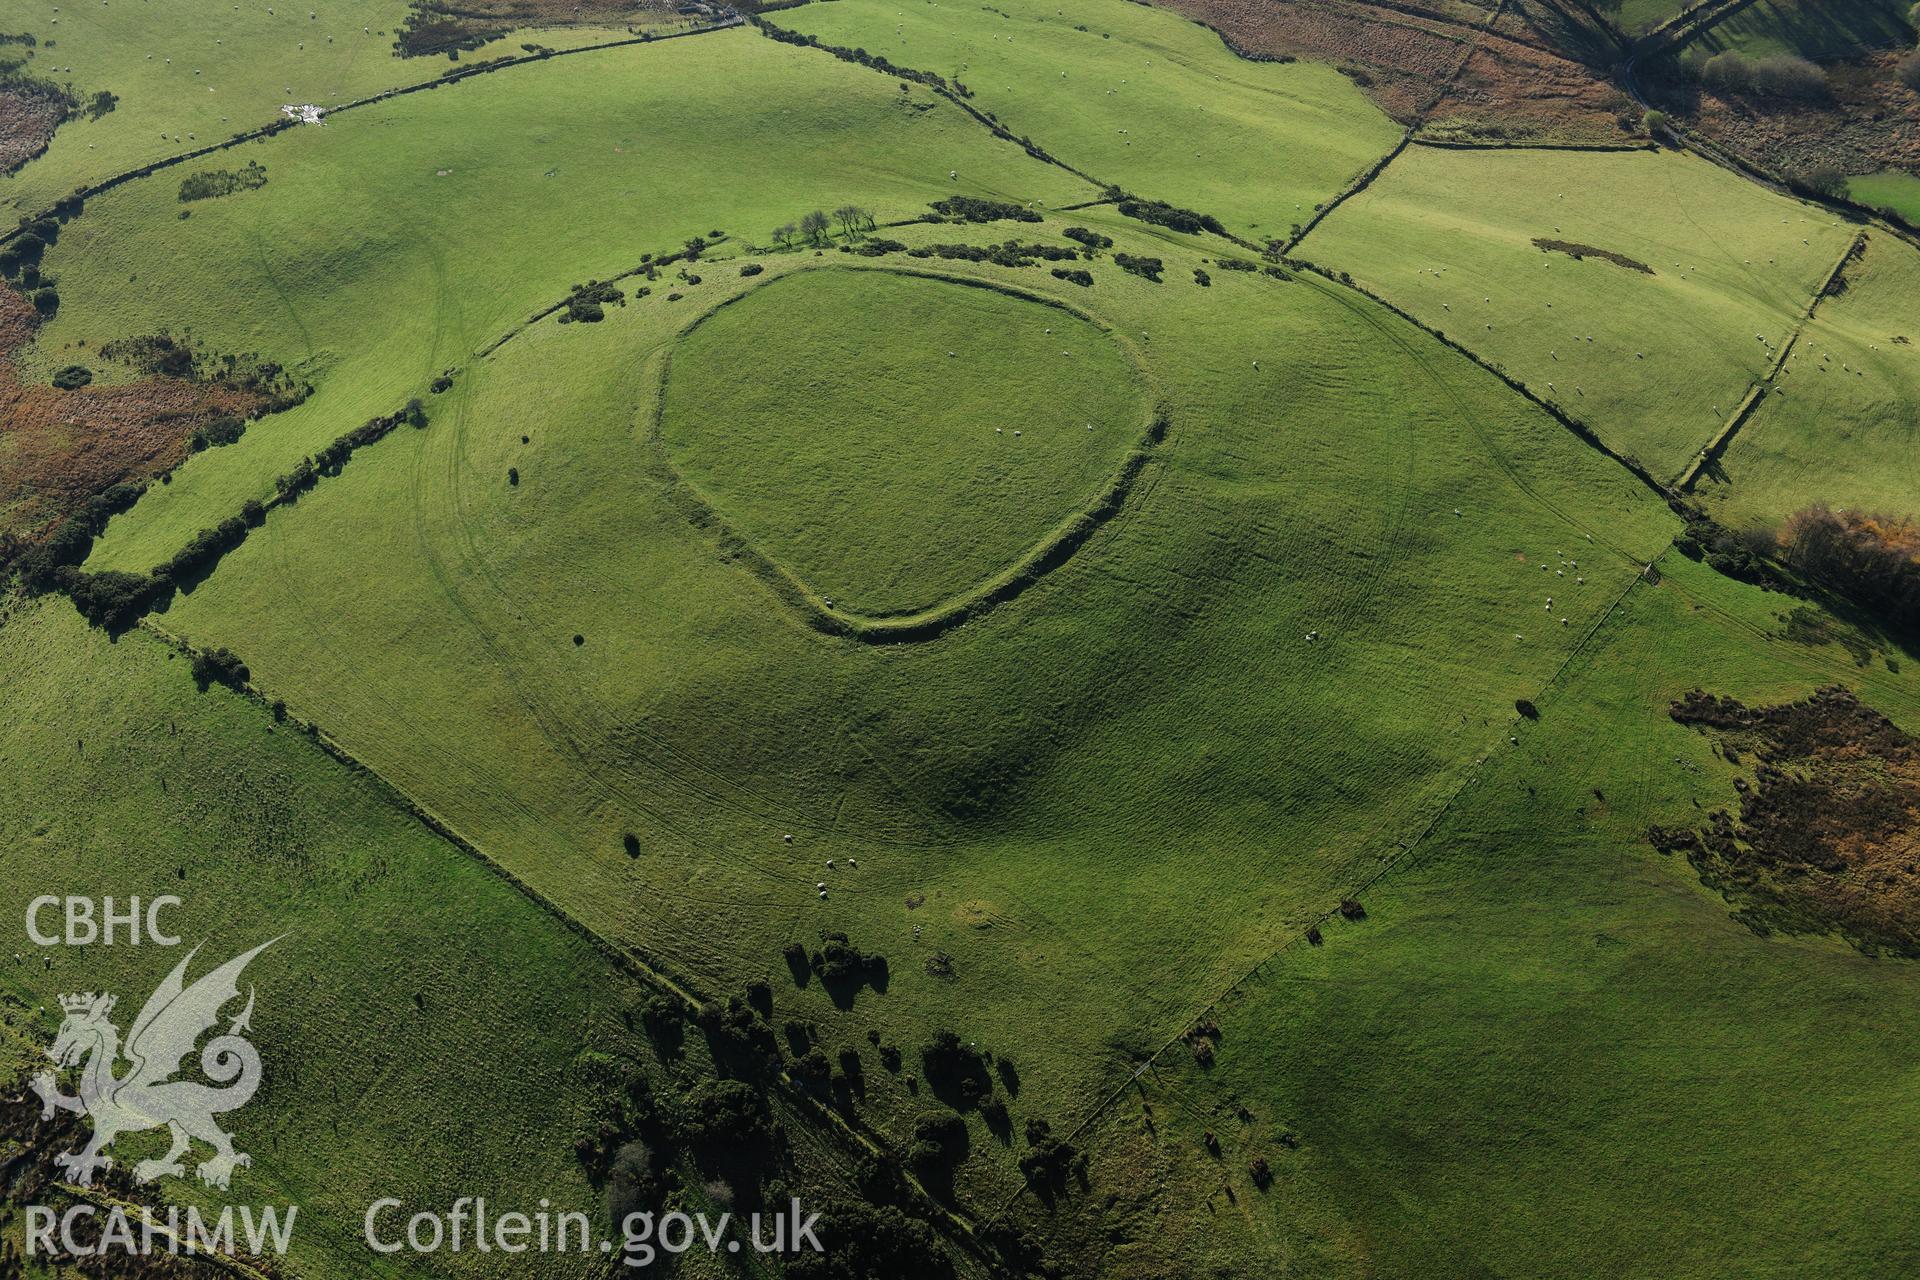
x=145 y=1094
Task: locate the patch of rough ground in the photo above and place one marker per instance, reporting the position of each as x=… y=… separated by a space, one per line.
x=447 y=26
x=1828 y=833
x=1510 y=91
x=28 y=117
x=60 y=448
x=1870 y=122
x=1516 y=85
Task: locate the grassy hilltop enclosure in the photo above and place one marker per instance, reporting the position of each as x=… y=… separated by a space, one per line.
x=1098 y=647
x=889 y=475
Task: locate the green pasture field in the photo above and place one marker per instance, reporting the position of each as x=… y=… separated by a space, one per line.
x=1894 y=190
x=1318 y=608
x=1137 y=97
x=420 y=1020
x=192 y=73
x=892 y=473
x=380 y=252
x=1842 y=428
x=1818 y=29
x=1100 y=802
x=1654 y=363
x=1547 y=1049
x=1637 y=16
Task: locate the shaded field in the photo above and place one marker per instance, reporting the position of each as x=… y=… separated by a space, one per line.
x=1822 y=30
x=1462 y=1078
x=1653 y=363
x=1893 y=191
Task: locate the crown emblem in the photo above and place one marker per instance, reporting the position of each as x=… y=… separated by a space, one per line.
x=81 y=1003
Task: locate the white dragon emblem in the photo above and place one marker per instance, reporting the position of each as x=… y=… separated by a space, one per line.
x=145 y=1096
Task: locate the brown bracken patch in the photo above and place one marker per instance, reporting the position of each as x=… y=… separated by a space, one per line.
x=1517 y=85
x=28 y=117
x=1514 y=92
x=1402 y=57
x=60 y=448
x=1870 y=122
x=449 y=26
x=1828 y=834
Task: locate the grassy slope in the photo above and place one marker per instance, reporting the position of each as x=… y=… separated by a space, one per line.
x=888 y=474
x=1817 y=29
x=216 y=70
x=1141 y=98
x=364 y=270
x=1672 y=352
x=1842 y=428
x=1548 y=1050
x=1893 y=190
x=1634 y=16
x=420 y=1020
x=1107 y=796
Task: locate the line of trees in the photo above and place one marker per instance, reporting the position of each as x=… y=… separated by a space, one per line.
x=816 y=227
x=931 y=79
